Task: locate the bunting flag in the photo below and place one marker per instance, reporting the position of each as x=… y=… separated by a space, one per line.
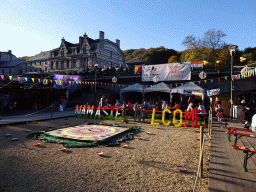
x=39 y=80
x=55 y=81
x=165 y=85
x=199 y=82
x=226 y=78
x=141 y=86
x=170 y=85
x=193 y=83
x=181 y=84
x=51 y=80
x=19 y=78
x=33 y=79
x=10 y=77
x=253 y=72
x=129 y=85
x=2 y=76
x=218 y=79
x=123 y=85
x=211 y=80
x=146 y=86
x=205 y=81
x=161 y=86
x=176 y=85
x=151 y=86
x=26 y=78
x=112 y=85
x=187 y=83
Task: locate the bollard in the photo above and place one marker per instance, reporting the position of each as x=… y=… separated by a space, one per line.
x=201 y=146
x=209 y=122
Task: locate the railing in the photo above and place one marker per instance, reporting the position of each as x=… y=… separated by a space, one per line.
x=202 y=142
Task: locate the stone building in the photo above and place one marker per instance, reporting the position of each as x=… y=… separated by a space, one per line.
x=82 y=55
x=10 y=64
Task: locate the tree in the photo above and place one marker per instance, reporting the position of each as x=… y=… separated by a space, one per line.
x=211 y=42
x=173 y=59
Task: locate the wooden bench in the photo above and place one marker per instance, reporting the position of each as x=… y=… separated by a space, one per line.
x=239 y=135
x=248 y=153
x=233 y=129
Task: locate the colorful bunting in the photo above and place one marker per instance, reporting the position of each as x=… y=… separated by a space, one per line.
x=205 y=81
x=226 y=78
x=33 y=79
x=218 y=79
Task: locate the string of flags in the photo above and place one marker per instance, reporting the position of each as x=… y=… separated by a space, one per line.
x=250 y=73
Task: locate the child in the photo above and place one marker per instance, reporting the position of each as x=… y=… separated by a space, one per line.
x=219 y=111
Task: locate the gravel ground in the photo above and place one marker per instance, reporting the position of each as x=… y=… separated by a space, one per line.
x=146 y=165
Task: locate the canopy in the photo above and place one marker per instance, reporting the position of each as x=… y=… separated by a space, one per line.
x=190 y=87
x=161 y=87
x=133 y=88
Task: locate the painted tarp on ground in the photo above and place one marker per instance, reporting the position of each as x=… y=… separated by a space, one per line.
x=167 y=72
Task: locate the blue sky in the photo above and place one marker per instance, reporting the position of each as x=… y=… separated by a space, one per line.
x=28 y=27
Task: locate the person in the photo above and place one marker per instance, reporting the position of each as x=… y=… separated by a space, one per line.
x=254 y=123
x=102 y=101
x=248 y=116
x=129 y=105
x=61 y=104
x=176 y=106
x=190 y=107
x=164 y=106
x=118 y=104
x=219 y=112
x=217 y=102
x=136 y=112
x=124 y=118
x=158 y=106
x=143 y=110
x=201 y=107
x=190 y=100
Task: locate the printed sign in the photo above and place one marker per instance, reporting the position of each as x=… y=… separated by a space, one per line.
x=213 y=92
x=167 y=72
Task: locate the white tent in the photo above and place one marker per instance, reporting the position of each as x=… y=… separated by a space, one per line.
x=132 y=88
x=160 y=87
x=190 y=87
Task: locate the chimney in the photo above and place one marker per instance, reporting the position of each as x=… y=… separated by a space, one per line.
x=101 y=35
x=10 y=53
x=63 y=39
x=118 y=42
x=81 y=39
x=85 y=36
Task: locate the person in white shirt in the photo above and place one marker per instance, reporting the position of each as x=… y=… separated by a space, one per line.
x=190 y=107
x=164 y=106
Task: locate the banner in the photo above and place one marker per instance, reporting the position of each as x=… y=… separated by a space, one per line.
x=167 y=72
x=213 y=92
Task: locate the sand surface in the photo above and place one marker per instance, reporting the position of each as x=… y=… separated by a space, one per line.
x=146 y=165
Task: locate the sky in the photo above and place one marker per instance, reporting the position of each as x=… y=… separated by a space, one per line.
x=28 y=27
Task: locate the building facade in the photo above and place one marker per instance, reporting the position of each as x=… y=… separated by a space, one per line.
x=10 y=64
x=83 y=55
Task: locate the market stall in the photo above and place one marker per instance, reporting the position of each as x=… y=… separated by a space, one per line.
x=160 y=91
x=133 y=92
x=188 y=89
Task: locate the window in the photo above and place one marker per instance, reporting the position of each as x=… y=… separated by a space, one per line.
x=3 y=71
x=45 y=69
x=67 y=64
x=57 y=65
x=10 y=71
x=62 y=53
x=84 y=50
x=62 y=64
x=51 y=65
x=30 y=70
x=40 y=62
x=52 y=54
x=74 y=64
x=110 y=54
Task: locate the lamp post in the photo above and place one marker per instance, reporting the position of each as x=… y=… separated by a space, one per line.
x=95 y=67
x=232 y=49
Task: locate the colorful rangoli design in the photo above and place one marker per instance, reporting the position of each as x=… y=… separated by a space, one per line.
x=87 y=132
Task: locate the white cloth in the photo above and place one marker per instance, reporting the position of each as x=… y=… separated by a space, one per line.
x=164 y=106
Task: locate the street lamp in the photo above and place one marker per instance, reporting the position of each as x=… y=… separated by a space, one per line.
x=232 y=49
x=95 y=67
